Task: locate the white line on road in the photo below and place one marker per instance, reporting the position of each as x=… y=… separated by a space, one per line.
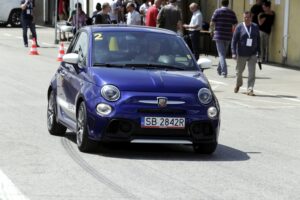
x=217 y=82
x=8 y=191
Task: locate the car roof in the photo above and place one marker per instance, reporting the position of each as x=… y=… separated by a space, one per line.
x=124 y=27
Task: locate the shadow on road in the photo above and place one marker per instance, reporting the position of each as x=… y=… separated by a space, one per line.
x=164 y=152
x=277 y=96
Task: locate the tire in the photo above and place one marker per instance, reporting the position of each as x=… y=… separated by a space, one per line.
x=54 y=127
x=3 y=24
x=84 y=144
x=15 y=18
x=205 y=148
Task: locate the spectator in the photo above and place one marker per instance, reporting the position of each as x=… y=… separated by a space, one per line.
x=152 y=13
x=133 y=17
x=169 y=17
x=223 y=22
x=143 y=9
x=123 y=12
x=27 y=20
x=62 y=15
x=255 y=10
x=103 y=17
x=78 y=18
x=245 y=49
x=194 y=29
x=97 y=11
x=113 y=14
x=62 y=10
x=265 y=21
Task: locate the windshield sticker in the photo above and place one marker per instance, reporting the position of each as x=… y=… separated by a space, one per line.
x=189 y=57
x=98 y=36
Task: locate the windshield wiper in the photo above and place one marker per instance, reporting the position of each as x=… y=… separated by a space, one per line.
x=108 y=65
x=153 y=66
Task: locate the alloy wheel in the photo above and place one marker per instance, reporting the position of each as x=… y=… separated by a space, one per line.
x=50 y=111
x=80 y=126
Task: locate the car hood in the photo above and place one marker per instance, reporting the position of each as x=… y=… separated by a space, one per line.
x=141 y=80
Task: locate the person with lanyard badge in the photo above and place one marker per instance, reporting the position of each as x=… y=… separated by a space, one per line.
x=27 y=20
x=245 y=48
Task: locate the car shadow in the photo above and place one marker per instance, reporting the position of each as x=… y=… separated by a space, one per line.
x=164 y=152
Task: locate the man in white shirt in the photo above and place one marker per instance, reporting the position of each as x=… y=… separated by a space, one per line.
x=133 y=17
x=143 y=10
x=113 y=14
x=194 y=28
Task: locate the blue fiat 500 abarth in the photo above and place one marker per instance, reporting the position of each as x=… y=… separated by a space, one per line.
x=132 y=84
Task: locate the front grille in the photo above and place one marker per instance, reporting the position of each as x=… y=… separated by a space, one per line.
x=162 y=111
x=160 y=132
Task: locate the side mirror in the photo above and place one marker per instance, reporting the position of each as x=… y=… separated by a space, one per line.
x=204 y=63
x=72 y=58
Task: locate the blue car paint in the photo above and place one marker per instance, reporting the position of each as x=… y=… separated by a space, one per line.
x=134 y=84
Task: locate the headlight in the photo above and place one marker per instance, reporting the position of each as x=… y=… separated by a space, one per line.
x=212 y=112
x=110 y=93
x=205 y=96
x=104 y=109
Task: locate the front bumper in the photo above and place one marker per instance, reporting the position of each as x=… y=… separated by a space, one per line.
x=124 y=123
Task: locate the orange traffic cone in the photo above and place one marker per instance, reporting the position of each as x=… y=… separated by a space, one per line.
x=61 y=52
x=33 y=49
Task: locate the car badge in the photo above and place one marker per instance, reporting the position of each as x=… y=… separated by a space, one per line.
x=162 y=102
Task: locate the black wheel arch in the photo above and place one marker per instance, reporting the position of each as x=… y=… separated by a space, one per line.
x=80 y=98
x=12 y=11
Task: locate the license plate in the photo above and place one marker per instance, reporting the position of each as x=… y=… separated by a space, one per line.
x=163 y=122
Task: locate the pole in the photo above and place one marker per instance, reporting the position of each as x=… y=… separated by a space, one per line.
x=77 y=14
x=55 y=19
x=285 y=31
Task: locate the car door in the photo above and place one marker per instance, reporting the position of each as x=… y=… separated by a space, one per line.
x=72 y=78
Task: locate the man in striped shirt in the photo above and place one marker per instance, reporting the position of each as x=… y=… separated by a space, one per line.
x=223 y=22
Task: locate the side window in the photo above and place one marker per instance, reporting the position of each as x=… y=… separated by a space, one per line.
x=81 y=48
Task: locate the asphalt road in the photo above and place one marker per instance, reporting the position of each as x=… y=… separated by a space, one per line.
x=258 y=156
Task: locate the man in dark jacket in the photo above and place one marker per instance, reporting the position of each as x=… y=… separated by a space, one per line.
x=245 y=49
x=169 y=17
x=103 y=16
x=27 y=20
x=265 y=21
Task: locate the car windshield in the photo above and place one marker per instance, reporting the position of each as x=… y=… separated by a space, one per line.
x=141 y=50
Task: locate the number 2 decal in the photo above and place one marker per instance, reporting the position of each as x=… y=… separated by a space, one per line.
x=98 y=36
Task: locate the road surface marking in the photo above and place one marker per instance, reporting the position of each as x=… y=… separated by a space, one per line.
x=8 y=191
x=214 y=87
x=6 y=34
x=19 y=37
x=217 y=82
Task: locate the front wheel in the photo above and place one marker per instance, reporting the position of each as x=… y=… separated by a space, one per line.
x=205 y=148
x=54 y=127
x=83 y=142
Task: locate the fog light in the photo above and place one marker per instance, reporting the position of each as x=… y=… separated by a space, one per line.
x=104 y=109
x=212 y=112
